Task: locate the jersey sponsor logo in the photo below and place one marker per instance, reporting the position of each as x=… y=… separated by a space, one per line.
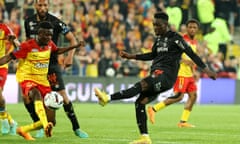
x=162 y=49
x=41 y=65
x=162 y=45
x=34 y=50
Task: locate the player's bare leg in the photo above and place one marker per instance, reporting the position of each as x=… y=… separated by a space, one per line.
x=187 y=110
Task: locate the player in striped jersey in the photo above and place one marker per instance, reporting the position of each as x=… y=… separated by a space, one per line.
x=8 y=124
x=34 y=55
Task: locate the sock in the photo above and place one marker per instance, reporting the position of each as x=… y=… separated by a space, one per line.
x=68 y=108
x=33 y=126
x=31 y=110
x=6 y=115
x=3 y=115
x=159 y=106
x=10 y=119
x=141 y=118
x=41 y=112
x=145 y=135
x=128 y=93
x=185 y=115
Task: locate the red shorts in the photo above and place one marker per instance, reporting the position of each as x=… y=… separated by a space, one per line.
x=185 y=85
x=3 y=76
x=27 y=85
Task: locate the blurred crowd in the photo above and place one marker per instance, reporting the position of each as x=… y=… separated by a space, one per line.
x=109 y=26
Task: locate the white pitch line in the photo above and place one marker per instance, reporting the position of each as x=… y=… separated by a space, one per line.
x=111 y=141
x=200 y=133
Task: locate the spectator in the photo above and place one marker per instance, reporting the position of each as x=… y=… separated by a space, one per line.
x=220 y=25
x=175 y=14
x=105 y=65
x=206 y=11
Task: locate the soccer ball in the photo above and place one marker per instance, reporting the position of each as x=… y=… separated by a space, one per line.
x=53 y=100
x=110 y=72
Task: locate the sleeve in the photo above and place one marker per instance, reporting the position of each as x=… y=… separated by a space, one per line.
x=62 y=27
x=22 y=52
x=144 y=57
x=147 y=56
x=188 y=50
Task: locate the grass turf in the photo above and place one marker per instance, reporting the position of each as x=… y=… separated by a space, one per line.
x=115 y=124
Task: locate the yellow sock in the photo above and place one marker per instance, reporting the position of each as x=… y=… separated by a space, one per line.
x=159 y=106
x=38 y=105
x=33 y=126
x=3 y=115
x=10 y=119
x=185 y=115
x=6 y=115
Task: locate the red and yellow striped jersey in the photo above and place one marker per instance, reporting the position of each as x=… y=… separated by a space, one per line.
x=34 y=61
x=5 y=45
x=186 y=70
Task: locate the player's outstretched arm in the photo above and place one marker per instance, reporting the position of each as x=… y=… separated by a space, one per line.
x=5 y=59
x=68 y=60
x=126 y=55
x=144 y=57
x=63 y=50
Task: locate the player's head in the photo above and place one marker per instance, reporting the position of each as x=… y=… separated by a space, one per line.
x=160 y=23
x=45 y=32
x=41 y=7
x=192 y=27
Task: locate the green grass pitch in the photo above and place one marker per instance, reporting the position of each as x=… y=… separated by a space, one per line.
x=115 y=124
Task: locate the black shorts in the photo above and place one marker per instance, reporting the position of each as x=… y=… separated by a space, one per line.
x=55 y=78
x=156 y=85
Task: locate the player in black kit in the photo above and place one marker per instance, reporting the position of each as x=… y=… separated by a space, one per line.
x=54 y=72
x=166 y=55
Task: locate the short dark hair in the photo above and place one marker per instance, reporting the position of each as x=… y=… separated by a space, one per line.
x=193 y=21
x=36 y=1
x=45 y=25
x=161 y=15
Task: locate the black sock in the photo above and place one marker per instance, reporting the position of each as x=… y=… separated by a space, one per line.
x=141 y=118
x=31 y=110
x=128 y=93
x=68 y=108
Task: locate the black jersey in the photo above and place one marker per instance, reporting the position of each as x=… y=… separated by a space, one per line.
x=31 y=28
x=166 y=54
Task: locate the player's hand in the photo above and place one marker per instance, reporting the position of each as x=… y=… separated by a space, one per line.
x=11 y=38
x=81 y=44
x=210 y=73
x=124 y=54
